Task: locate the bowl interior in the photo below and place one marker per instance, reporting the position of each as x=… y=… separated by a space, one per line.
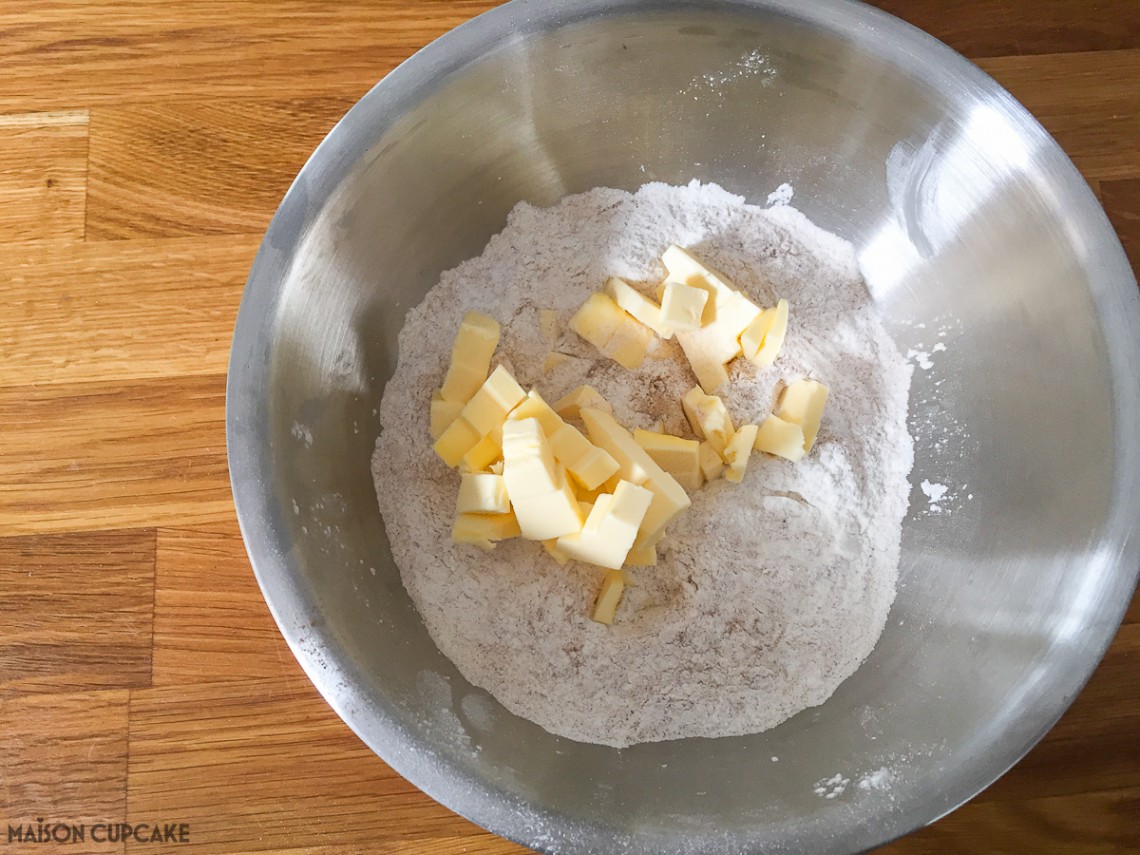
x=985 y=252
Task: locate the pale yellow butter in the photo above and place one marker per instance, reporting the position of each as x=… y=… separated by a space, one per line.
x=484 y=530
x=607 y=326
x=598 y=319
x=803 y=403
x=679 y=457
x=482 y=494
x=498 y=395
x=454 y=443
x=712 y=465
x=682 y=306
x=639 y=306
x=709 y=418
x=705 y=356
x=540 y=493
x=569 y=406
x=611 y=528
x=764 y=338
x=443 y=413
x=669 y=497
x=781 y=438
x=485 y=452
x=642 y=556
x=535 y=407
x=471 y=354
x=684 y=267
x=738 y=451
x=590 y=465
x=609 y=597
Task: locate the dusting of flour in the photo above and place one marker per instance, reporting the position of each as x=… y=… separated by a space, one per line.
x=768 y=594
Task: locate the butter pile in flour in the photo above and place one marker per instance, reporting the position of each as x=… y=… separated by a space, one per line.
x=767 y=593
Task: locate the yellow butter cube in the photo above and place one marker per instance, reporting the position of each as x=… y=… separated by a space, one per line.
x=712 y=465
x=738 y=452
x=629 y=345
x=549 y=515
x=639 y=306
x=484 y=530
x=708 y=418
x=551 y=547
x=669 y=497
x=471 y=354
x=482 y=494
x=454 y=443
x=485 y=452
x=548 y=325
x=598 y=319
x=684 y=267
x=528 y=463
x=803 y=403
x=535 y=407
x=611 y=528
x=569 y=406
x=443 y=413
x=679 y=457
x=781 y=438
x=682 y=306
x=609 y=597
x=641 y=556
x=764 y=338
x=706 y=357
x=498 y=395
x=590 y=465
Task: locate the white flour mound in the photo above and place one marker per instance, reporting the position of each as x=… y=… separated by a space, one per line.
x=768 y=594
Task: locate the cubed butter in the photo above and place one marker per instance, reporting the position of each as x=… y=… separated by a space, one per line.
x=471 y=354
x=642 y=556
x=598 y=319
x=535 y=407
x=498 y=395
x=803 y=403
x=569 y=406
x=679 y=457
x=669 y=497
x=550 y=515
x=712 y=464
x=705 y=355
x=548 y=325
x=552 y=549
x=611 y=528
x=482 y=494
x=682 y=306
x=708 y=417
x=443 y=413
x=454 y=443
x=607 y=326
x=639 y=306
x=485 y=452
x=738 y=451
x=609 y=597
x=781 y=438
x=589 y=465
x=764 y=338
x=540 y=493
x=484 y=530
x=684 y=267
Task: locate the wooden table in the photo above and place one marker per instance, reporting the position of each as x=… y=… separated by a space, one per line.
x=143 y=148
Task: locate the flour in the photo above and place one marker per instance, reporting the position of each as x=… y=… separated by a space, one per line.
x=768 y=594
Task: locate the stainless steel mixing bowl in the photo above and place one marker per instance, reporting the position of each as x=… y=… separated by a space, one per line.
x=967 y=218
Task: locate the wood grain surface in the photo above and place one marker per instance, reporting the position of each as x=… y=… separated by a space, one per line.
x=143 y=148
